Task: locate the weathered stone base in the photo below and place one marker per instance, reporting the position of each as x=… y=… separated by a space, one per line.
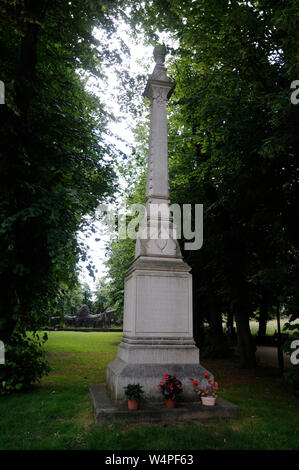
x=120 y=374
x=106 y=412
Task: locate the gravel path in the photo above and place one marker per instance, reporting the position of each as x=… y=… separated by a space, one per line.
x=268 y=355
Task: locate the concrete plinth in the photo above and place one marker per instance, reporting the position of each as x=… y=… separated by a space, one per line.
x=106 y=412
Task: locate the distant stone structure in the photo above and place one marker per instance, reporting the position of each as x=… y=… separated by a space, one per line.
x=84 y=318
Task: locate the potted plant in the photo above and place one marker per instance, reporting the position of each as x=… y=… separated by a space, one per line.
x=170 y=389
x=133 y=392
x=207 y=392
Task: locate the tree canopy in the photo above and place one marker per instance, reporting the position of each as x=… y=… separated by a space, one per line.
x=233 y=140
x=55 y=166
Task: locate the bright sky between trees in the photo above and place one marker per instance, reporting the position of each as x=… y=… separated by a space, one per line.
x=139 y=63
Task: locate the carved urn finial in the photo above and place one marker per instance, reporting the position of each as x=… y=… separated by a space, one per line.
x=160 y=52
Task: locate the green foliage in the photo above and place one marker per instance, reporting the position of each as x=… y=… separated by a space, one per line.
x=214 y=349
x=104 y=297
x=69 y=301
x=54 y=165
x=233 y=140
x=121 y=255
x=133 y=391
x=87 y=296
x=120 y=252
x=25 y=363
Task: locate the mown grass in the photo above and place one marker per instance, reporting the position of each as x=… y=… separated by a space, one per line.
x=57 y=414
x=271 y=326
x=80 y=358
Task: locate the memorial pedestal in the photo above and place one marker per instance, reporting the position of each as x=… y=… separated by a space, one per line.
x=157 y=330
x=158 y=334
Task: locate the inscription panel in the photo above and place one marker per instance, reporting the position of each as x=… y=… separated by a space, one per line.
x=163 y=305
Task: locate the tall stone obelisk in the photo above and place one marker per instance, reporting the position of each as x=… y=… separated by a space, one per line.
x=158 y=334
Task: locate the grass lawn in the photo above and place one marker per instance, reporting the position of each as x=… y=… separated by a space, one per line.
x=57 y=413
x=271 y=326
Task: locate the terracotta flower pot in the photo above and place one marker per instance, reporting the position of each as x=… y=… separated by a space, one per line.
x=133 y=404
x=169 y=403
x=208 y=401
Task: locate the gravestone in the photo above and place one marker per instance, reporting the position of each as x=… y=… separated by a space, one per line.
x=158 y=323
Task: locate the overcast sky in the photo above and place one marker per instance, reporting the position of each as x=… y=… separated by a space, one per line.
x=141 y=58
x=140 y=62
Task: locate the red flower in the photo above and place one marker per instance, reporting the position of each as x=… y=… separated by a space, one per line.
x=190 y=378
x=161 y=384
x=166 y=377
x=207 y=375
x=195 y=383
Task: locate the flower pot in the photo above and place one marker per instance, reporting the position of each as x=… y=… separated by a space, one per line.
x=208 y=401
x=170 y=403
x=133 y=404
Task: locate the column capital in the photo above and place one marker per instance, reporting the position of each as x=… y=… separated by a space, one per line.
x=158 y=82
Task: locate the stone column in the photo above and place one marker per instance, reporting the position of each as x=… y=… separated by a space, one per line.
x=158 y=335
x=157 y=236
x=158 y=89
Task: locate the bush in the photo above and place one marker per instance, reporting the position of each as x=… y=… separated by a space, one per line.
x=25 y=363
x=210 y=348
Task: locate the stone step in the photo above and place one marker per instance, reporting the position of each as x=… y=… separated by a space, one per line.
x=106 y=412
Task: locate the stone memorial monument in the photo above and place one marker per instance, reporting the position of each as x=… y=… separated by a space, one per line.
x=158 y=333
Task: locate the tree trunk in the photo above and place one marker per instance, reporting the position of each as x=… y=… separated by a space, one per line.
x=279 y=342
x=217 y=338
x=28 y=54
x=7 y=321
x=24 y=90
x=230 y=323
x=246 y=345
x=263 y=318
